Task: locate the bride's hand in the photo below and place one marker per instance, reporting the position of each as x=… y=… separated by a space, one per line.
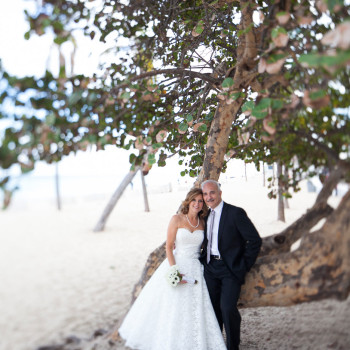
x=182 y=281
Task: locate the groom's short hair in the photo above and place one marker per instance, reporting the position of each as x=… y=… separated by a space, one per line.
x=211 y=182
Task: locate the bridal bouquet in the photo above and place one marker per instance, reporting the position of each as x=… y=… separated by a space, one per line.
x=174 y=277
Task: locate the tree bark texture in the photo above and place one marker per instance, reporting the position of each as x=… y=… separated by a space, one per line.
x=218 y=140
x=319 y=269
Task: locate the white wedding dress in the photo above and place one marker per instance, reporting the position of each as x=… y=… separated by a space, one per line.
x=175 y=318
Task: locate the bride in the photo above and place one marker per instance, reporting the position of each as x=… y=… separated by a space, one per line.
x=165 y=317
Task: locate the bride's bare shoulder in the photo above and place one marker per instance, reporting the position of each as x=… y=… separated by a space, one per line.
x=177 y=218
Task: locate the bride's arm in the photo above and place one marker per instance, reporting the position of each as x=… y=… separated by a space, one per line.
x=171 y=236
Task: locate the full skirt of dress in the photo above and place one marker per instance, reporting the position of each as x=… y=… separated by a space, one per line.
x=173 y=318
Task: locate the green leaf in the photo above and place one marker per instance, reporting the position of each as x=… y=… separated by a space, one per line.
x=132 y=158
x=151 y=159
x=183 y=127
x=75 y=97
x=161 y=163
x=263 y=104
x=50 y=119
x=248 y=106
x=59 y=40
x=203 y=128
x=277 y=31
x=332 y=3
x=227 y=83
x=157 y=145
x=259 y=114
x=189 y=118
x=234 y=96
x=317 y=60
x=315 y=95
x=277 y=104
x=199 y=27
x=125 y=95
x=58 y=26
x=275 y=57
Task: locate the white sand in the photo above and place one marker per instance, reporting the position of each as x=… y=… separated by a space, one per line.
x=58 y=278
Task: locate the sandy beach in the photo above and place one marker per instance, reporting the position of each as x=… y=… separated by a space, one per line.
x=59 y=278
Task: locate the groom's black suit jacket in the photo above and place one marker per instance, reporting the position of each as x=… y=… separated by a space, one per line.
x=239 y=241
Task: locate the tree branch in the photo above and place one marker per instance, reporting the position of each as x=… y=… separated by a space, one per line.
x=174 y=71
x=282 y=242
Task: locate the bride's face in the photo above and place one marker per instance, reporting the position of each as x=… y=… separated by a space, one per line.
x=196 y=205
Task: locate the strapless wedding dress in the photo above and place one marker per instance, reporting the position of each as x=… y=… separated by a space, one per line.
x=175 y=318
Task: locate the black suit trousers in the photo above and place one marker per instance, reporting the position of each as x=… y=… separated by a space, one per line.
x=224 y=290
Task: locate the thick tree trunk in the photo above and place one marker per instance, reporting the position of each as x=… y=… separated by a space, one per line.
x=319 y=269
x=218 y=140
x=114 y=199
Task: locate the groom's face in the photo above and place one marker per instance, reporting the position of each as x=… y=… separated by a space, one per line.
x=211 y=195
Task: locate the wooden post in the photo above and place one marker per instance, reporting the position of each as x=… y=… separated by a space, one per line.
x=144 y=190
x=263 y=167
x=280 y=215
x=57 y=185
x=285 y=182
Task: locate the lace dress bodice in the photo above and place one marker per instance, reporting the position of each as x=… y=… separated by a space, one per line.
x=188 y=243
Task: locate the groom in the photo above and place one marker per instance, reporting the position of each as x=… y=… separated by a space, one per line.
x=230 y=248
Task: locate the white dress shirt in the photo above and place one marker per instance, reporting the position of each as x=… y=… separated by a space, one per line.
x=214 y=242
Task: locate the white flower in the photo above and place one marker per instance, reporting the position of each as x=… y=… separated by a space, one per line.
x=173 y=276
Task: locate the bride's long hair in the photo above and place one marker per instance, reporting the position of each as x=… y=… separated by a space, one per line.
x=189 y=197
